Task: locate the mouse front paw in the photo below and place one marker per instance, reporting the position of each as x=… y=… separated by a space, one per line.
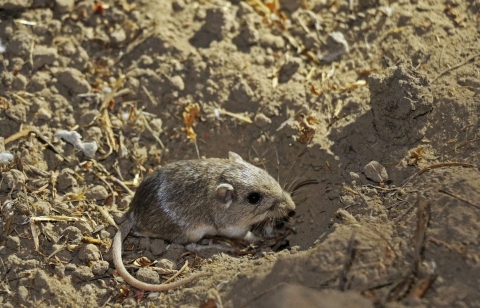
x=251 y=238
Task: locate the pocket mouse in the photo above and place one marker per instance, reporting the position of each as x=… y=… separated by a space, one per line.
x=186 y=200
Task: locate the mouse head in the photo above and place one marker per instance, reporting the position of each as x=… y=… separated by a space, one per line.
x=249 y=194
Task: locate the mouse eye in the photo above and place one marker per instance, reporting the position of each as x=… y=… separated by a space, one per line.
x=254 y=198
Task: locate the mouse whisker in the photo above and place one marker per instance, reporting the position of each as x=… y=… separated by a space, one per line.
x=303 y=183
x=305 y=150
x=288 y=174
x=260 y=157
x=289 y=187
x=278 y=165
x=255 y=226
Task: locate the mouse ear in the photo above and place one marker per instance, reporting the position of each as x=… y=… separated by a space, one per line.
x=225 y=193
x=232 y=156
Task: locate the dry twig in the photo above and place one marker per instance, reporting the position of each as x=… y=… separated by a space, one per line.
x=177 y=273
x=455 y=66
x=463 y=144
x=33 y=220
x=26 y=132
x=459 y=198
x=434 y=166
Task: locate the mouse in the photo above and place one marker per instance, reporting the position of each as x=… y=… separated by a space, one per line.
x=184 y=201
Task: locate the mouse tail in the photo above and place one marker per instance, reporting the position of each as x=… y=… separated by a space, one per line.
x=122 y=271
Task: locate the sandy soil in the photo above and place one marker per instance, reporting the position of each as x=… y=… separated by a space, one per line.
x=377 y=102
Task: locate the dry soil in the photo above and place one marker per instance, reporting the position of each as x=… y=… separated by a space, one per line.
x=375 y=101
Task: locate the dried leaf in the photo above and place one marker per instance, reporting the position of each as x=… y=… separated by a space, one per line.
x=106 y=244
x=306 y=129
x=100 y=8
x=91 y=240
x=123 y=292
x=311 y=120
x=314 y=91
x=4 y=103
x=143 y=262
x=74 y=197
x=272 y=6
x=189 y=116
x=415 y=156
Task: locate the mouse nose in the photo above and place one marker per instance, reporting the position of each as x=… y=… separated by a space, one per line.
x=288 y=202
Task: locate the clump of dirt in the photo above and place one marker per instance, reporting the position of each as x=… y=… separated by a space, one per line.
x=94 y=95
x=400 y=101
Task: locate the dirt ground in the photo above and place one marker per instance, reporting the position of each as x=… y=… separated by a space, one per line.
x=375 y=101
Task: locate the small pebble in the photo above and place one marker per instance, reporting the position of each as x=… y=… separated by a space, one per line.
x=375 y=172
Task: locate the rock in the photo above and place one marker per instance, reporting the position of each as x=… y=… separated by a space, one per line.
x=44 y=114
x=83 y=226
x=13 y=242
x=18 y=113
x=335 y=47
x=82 y=273
x=19 y=83
x=177 y=82
x=64 y=6
x=248 y=36
x=148 y=275
x=124 y=202
x=43 y=55
x=74 y=81
x=290 y=5
x=66 y=179
x=42 y=208
x=74 y=234
x=354 y=176
x=272 y=41
x=59 y=270
x=15 y=4
x=241 y=94
x=63 y=255
x=261 y=120
x=14 y=262
x=81 y=59
x=16 y=64
x=13 y=179
x=20 y=44
x=166 y=264
x=288 y=69
x=41 y=279
x=70 y=267
x=88 y=117
x=97 y=192
x=89 y=252
x=118 y=36
x=375 y=172
x=85 y=9
x=38 y=82
x=93 y=133
x=23 y=296
x=178 y=5
x=100 y=267
x=157 y=246
x=218 y=23
x=368 y=3
x=144 y=243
